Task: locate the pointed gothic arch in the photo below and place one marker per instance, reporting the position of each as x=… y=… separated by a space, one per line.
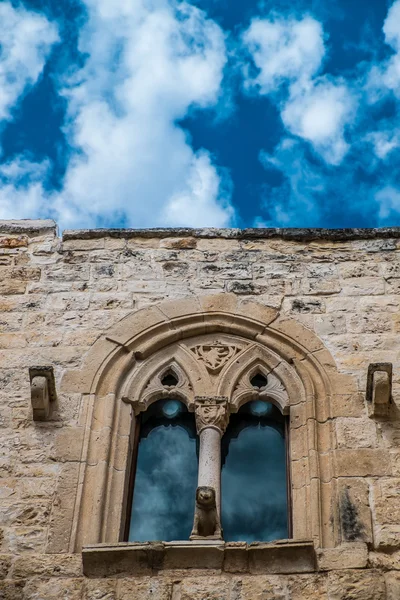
x=213 y=342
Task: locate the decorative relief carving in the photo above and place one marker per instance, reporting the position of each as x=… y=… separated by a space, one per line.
x=215 y=355
x=274 y=389
x=211 y=412
x=156 y=389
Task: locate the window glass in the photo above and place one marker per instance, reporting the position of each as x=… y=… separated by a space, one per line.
x=254 y=486
x=166 y=474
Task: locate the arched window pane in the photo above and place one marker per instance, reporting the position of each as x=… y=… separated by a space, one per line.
x=254 y=487
x=166 y=474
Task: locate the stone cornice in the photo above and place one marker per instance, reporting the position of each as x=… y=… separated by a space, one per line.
x=28 y=226
x=34 y=227
x=291 y=234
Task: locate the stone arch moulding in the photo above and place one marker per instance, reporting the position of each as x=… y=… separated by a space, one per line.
x=118 y=379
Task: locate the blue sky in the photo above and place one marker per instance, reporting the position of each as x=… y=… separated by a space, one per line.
x=149 y=113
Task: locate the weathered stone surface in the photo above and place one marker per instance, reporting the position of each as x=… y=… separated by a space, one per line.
x=346 y=556
x=356 y=585
x=210 y=588
x=146 y=588
x=327 y=305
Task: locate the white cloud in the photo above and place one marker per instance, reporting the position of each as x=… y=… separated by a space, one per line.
x=391 y=27
x=148 y=64
x=137 y=161
x=385 y=77
x=26 y=39
x=317 y=108
x=384 y=141
x=388 y=199
x=383 y=80
x=284 y=50
x=319 y=111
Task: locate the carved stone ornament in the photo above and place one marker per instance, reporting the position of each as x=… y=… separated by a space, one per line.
x=215 y=355
x=211 y=412
x=155 y=389
x=43 y=392
x=274 y=389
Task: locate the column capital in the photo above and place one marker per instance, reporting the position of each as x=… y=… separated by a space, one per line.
x=212 y=412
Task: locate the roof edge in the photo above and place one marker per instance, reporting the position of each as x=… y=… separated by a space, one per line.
x=292 y=234
x=28 y=226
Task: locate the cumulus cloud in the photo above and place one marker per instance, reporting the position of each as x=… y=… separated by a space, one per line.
x=388 y=199
x=26 y=39
x=147 y=64
x=284 y=49
x=290 y=52
x=390 y=72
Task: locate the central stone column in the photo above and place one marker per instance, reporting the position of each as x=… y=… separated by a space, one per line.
x=211 y=421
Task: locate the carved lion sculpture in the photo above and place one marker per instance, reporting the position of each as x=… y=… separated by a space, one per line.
x=206 y=518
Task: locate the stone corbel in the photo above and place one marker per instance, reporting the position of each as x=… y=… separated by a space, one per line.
x=43 y=392
x=379 y=389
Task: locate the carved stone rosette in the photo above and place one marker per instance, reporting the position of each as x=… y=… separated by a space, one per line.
x=212 y=413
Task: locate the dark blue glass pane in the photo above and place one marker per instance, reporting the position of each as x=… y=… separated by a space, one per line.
x=254 y=500
x=166 y=475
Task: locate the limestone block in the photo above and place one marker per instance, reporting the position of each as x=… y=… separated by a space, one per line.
x=353 y=269
x=347 y=405
x=262 y=588
x=67 y=444
x=362 y=463
x=355 y=433
x=206 y=588
x=386 y=493
x=307 y=305
x=387 y=537
x=62 y=510
x=384 y=560
x=14 y=241
x=18 y=540
x=12 y=286
x=324 y=286
x=236 y=557
x=356 y=585
x=37 y=487
x=11 y=590
x=370 y=323
x=111 y=300
x=26 y=513
x=218 y=244
x=67 y=272
x=354 y=510
x=181 y=556
x=82 y=244
x=353 y=555
x=363 y=286
x=5 y=565
x=187 y=243
x=307 y=587
x=244 y=288
x=53 y=589
x=392 y=586
x=330 y=324
x=61 y=565
x=226 y=271
x=123 y=560
x=101 y=589
x=288 y=557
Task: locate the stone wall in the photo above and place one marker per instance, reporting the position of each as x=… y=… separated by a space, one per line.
x=58 y=296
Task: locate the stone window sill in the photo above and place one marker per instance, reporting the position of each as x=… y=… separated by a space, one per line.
x=125 y=559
